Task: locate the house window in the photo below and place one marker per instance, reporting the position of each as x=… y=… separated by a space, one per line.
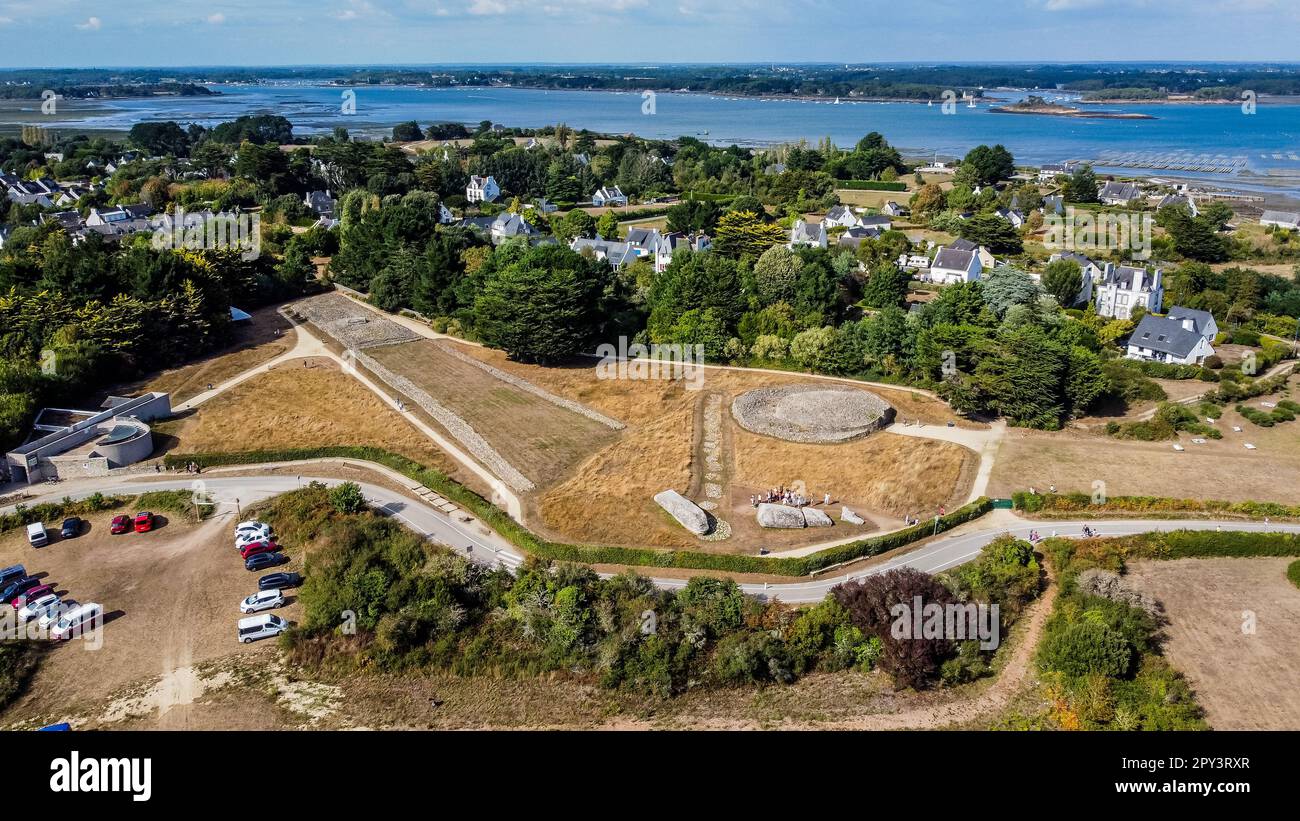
x=1122 y=299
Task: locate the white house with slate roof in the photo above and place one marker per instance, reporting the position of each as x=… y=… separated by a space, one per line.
x=1176 y=339
x=482 y=189
x=954 y=265
x=670 y=244
x=608 y=196
x=1124 y=289
x=812 y=234
x=1118 y=193
x=841 y=216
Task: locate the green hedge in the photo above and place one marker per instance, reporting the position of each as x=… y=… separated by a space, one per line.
x=55 y=511
x=870 y=185
x=530 y=542
x=1293 y=572
x=1082 y=503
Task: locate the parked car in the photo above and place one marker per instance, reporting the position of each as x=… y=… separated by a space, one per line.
x=143 y=522
x=262 y=600
x=31 y=594
x=252 y=526
x=121 y=524
x=71 y=528
x=279 y=581
x=75 y=621
x=261 y=627
x=250 y=536
x=253 y=548
x=36 y=535
x=18 y=587
x=11 y=574
x=35 y=608
x=55 y=613
x=264 y=560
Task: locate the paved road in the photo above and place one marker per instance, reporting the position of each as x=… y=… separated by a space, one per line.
x=480 y=544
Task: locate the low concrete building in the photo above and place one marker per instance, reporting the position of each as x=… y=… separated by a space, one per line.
x=88 y=443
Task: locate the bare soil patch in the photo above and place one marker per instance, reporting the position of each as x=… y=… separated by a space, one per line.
x=1244 y=680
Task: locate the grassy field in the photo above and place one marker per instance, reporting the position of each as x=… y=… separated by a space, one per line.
x=1244 y=680
x=542 y=440
x=296 y=406
x=260 y=340
x=608 y=498
x=1218 y=469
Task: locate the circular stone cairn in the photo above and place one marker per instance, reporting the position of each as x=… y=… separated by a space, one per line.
x=811 y=414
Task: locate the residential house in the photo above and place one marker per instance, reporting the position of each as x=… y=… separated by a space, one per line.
x=129 y=217
x=1048 y=173
x=1118 y=193
x=69 y=221
x=841 y=216
x=1176 y=341
x=1054 y=203
x=812 y=234
x=643 y=241
x=893 y=209
x=914 y=262
x=853 y=237
x=1281 y=219
x=609 y=197
x=1176 y=200
x=546 y=206
x=986 y=258
x=5 y=232
x=320 y=203
x=1012 y=216
x=1090 y=273
x=881 y=222
x=617 y=254
x=482 y=189
x=445 y=216
x=953 y=265
x=671 y=243
x=1202 y=321
x=508 y=225
x=1125 y=289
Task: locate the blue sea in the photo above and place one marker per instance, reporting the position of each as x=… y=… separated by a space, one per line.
x=1268 y=141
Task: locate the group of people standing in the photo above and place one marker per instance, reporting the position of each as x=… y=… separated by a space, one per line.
x=784 y=496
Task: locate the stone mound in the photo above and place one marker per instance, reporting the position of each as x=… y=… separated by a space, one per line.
x=687 y=513
x=810 y=413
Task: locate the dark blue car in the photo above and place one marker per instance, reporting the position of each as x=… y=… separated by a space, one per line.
x=11 y=574
x=263 y=560
x=279 y=581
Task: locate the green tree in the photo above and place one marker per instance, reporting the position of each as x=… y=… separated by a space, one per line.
x=1063 y=279
x=886 y=286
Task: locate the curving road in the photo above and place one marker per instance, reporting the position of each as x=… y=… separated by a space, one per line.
x=476 y=541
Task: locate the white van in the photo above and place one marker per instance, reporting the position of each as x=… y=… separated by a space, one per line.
x=37 y=536
x=76 y=621
x=261 y=627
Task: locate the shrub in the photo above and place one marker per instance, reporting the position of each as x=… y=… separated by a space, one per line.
x=1084 y=648
x=1293 y=572
x=347 y=498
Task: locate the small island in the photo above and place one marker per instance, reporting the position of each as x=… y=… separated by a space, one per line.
x=1034 y=104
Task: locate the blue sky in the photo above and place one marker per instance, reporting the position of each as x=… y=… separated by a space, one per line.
x=266 y=32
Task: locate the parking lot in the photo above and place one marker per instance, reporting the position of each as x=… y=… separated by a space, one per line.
x=171 y=599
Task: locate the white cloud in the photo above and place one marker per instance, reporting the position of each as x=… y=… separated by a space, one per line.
x=216 y=19
x=91 y=24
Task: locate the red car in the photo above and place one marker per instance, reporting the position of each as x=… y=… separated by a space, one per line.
x=120 y=525
x=266 y=546
x=143 y=522
x=32 y=594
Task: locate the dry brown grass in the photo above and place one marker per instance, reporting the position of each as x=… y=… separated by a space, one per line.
x=294 y=406
x=540 y=439
x=253 y=343
x=1245 y=681
x=1218 y=469
x=894 y=474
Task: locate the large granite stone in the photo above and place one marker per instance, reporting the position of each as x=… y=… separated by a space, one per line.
x=851 y=517
x=812 y=517
x=782 y=516
x=687 y=513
